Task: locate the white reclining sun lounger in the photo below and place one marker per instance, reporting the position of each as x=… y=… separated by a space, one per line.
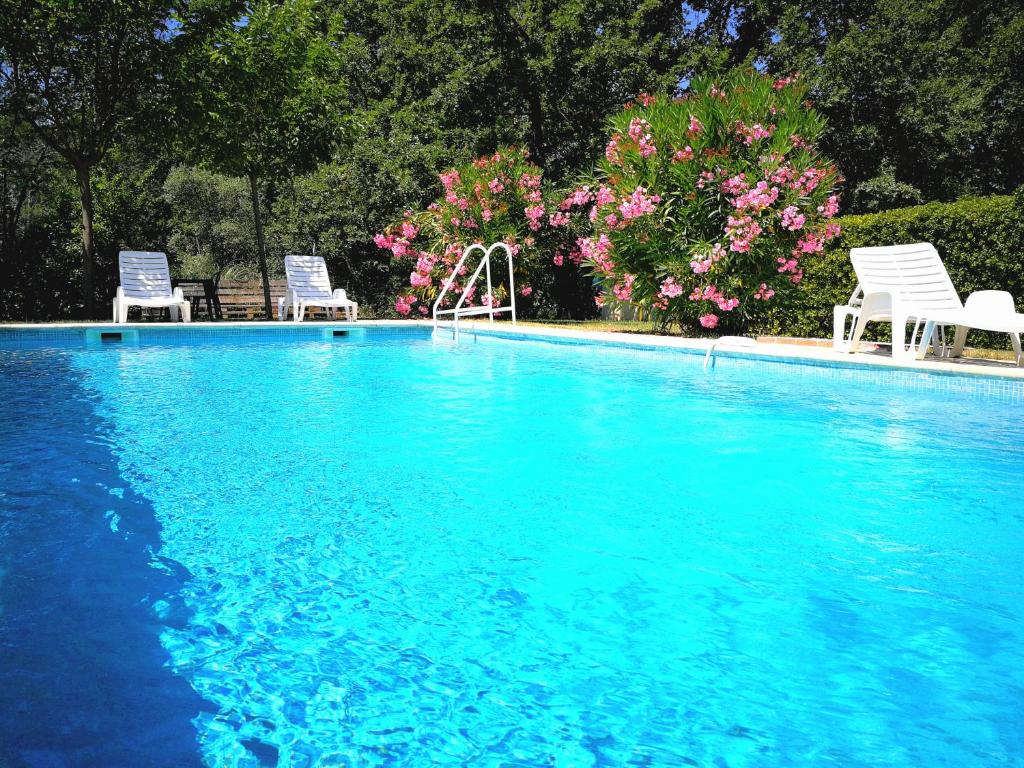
x=309 y=285
x=146 y=282
x=903 y=283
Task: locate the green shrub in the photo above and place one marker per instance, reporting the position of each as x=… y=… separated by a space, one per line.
x=980 y=240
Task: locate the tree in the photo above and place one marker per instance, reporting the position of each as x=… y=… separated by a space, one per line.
x=261 y=97
x=925 y=99
x=75 y=73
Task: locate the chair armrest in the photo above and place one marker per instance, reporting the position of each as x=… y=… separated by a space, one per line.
x=178 y=294
x=339 y=293
x=120 y=293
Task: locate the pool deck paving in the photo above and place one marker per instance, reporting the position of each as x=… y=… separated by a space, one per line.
x=812 y=351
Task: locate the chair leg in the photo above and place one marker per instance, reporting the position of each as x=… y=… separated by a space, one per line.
x=115 y=310
x=174 y=312
x=927 y=340
x=122 y=312
x=1015 y=342
x=959 y=339
x=858 y=331
x=899 y=337
x=186 y=312
x=299 y=311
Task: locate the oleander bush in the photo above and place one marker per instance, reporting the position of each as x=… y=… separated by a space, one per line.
x=980 y=240
x=708 y=208
x=498 y=198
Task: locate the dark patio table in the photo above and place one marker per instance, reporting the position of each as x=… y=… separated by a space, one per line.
x=208 y=288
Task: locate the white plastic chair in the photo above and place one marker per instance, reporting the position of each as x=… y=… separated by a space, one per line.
x=309 y=285
x=904 y=283
x=146 y=282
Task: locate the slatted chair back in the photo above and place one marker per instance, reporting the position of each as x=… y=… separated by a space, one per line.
x=913 y=275
x=144 y=274
x=307 y=277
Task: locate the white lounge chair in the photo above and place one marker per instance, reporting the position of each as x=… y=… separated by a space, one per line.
x=909 y=283
x=309 y=285
x=146 y=282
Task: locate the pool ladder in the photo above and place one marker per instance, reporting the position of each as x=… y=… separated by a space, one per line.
x=459 y=310
x=742 y=342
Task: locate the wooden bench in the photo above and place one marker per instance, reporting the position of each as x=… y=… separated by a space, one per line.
x=241 y=300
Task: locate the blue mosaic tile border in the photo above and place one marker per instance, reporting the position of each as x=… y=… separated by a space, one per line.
x=186 y=335
x=964 y=383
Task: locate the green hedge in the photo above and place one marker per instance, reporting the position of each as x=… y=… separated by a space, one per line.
x=980 y=240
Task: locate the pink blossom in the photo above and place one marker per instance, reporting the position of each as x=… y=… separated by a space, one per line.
x=670 y=289
x=638 y=204
x=709 y=320
x=623 y=290
x=640 y=132
x=695 y=126
x=830 y=207
x=792 y=219
x=683 y=154
x=809 y=243
x=558 y=260
x=529 y=181
x=423 y=309
x=534 y=213
x=450 y=179
x=741 y=231
x=605 y=196
x=580 y=196
x=702 y=265
x=646 y=99
x=403 y=304
x=597 y=252
x=832 y=230
x=611 y=152
x=611 y=221
x=758 y=198
x=486 y=214
x=383 y=241
x=558 y=219
x=735 y=185
x=525 y=290
x=764 y=292
x=495 y=186
x=408 y=230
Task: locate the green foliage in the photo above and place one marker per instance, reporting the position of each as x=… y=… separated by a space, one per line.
x=708 y=203
x=933 y=90
x=980 y=241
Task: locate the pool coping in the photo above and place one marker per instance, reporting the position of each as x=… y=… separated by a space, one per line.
x=795 y=353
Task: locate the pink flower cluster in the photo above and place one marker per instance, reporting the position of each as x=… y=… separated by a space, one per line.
x=638 y=204
x=830 y=207
x=598 y=253
x=670 y=289
x=534 y=214
x=702 y=265
x=757 y=199
x=403 y=304
x=624 y=290
x=640 y=132
x=682 y=155
x=763 y=292
x=749 y=134
x=792 y=219
x=742 y=231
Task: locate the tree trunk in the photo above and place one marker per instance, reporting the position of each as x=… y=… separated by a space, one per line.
x=261 y=246
x=82 y=172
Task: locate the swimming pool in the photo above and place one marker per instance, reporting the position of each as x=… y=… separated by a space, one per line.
x=382 y=549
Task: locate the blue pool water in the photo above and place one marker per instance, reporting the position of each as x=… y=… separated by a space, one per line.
x=383 y=550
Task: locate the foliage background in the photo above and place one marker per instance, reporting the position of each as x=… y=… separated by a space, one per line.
x=924 y=101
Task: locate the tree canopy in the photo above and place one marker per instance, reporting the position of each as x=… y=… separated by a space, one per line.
x=338 y=116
